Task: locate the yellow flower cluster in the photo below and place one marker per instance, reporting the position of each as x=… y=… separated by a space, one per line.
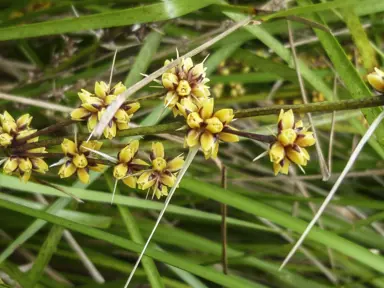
x=12 y=130
x=94 y=106
x=129 y=166
x=376 y=79
x=186 y=83
x=77 y=159
x=206 y=128
x=162 y=173
x=292 y=138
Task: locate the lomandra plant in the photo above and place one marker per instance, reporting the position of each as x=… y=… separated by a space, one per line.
x=106 y=113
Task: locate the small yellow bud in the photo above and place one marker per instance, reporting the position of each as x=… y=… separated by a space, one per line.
x=121 y=116
x=25 y=165
x=298 y=155
x=183 y=89
x=157 y=150
x=9 y=126
x=67 y=169
x=130 y=181
x=192 y=138
x=198 y=71
x=168 y=179
x=24 y=121
x=175 y=164
x=109 y=99
x=159 y=164
x=305 y=139
x=24 y=176
x=92 y=122
x=93 y=104
x=24 y=133
x=110 y=130
x=201 y=91
x=120 y=171
x=376 y=79
x=132 y=107
x=84 y=95
x=171 y=99
x=169 y=81
x=287 y=137
x=126 y=154
x=101 y=89
x=119 y=88
x=39 y=165
x=186 y=64
x=194 y=120
x=225 y=115
x=228 y=137
x=80 y=114
x=286 y=119
x=83 y=175
x=207 y=108
x=10 y=165
x=68 y=147
x=5 y=139
x=145 y=180
x=214 y=125
x=276 y=152
x=207 y=140
x=281 y=167
x=80 y=161
x=186 y=106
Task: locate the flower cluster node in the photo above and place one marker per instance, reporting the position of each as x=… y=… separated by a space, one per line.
x=78 y=159
x=94 y=106
x=206 y=128
x=12 y=130
x=291 y=140
x=186 y=86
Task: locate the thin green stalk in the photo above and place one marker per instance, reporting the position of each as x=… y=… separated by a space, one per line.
x=134 y=232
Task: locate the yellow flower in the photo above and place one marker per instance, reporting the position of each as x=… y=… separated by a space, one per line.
x=23 y=166
x=162 y=173
x=206 y=128
x=11 y=129
x=128 y=165
x=290 y=143
x=376 y=79
x=94 y=105
x=78 y=159
x=186 y=81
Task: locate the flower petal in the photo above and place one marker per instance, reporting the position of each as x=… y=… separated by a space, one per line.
x=175 y=164
x=157 y=150
x=130 y=181
x=83 y=175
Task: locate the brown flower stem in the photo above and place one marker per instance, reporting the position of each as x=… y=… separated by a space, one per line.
x=254 y=136
x=44 y=131
x=371 y=101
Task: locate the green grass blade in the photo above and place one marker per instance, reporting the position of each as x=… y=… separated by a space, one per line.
x=328 y=239
x=46 y=252
x=133 y=230
x=204 y=272
x=142 y=14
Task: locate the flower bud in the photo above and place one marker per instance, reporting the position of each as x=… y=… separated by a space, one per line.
x=168 y=179
x=110 y=130
x=93 y=104
x=214 y=125
x=69 y=147
x=83 y=175
x=130 y=181
x=126 y=154
x=10 y=165
x=92 y=122
x=39 y=165
x=286 y=119
x=80 y=161
x=305 y=139
x=192 y=138
x=225 y=115
x=376 y=79
x=80 y=114
x=287 y=137
x=121 y=116
x=175 y=164
x=132 y=107
x=159 y=164
x=281 y=167
x=67 y=169
x=228 y=137
x=5 y=139
x=157 y=150
x=183 y=89
x=201 y=91
x=207 y=140
x=207 y=108
x=194 y=120
x=120 y=171
x=186 y=64
x=24 y=121
x=25 y=165
x=298 y=155
x=84 y=95
x=119 y=88
x=101 y=89
x=198 y=71
x=276 y=152
x=169 y=81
